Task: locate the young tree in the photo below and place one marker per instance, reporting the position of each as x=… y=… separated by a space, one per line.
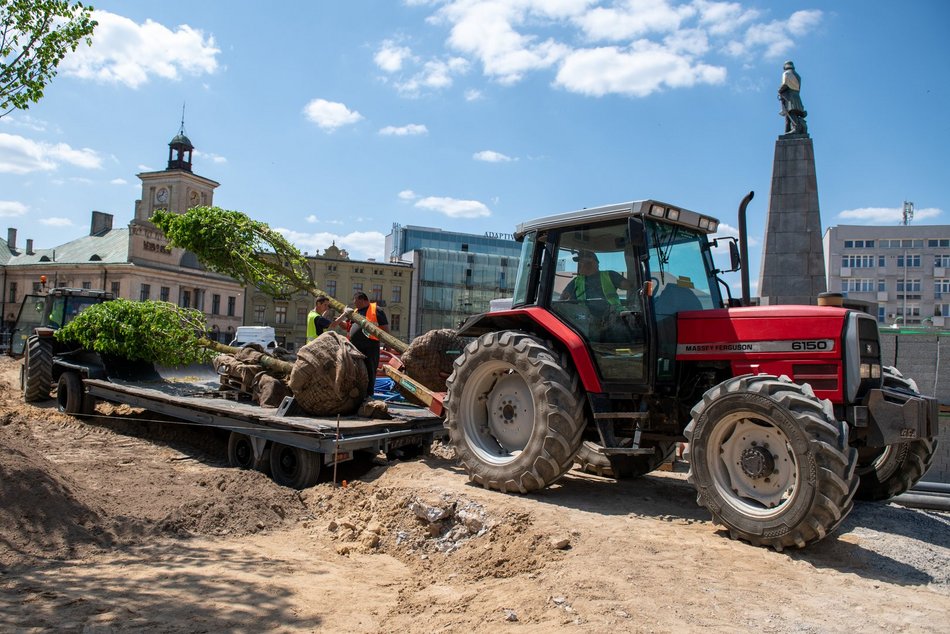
x=35 y=36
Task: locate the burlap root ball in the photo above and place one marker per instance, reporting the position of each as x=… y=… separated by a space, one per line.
x=430 y=356
x=329 y=376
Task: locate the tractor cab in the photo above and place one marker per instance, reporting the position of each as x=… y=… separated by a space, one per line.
x=616 y=277
x=53 y=310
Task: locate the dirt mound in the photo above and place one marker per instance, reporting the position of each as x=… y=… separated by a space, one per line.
x=236 y=502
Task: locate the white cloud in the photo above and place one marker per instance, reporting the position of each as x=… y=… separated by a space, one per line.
x=12 y=208
x=644 y=45
x=413 y=129
x=118 y=181
x=886 y=215
x=361 y=245
x=637 y=72
x=211 y=156
x=390 y=56
x=56 y=222
x=632 y=19
x=490 y=156
x=407 y=194
x=311 y=219
x=330 y=115
x=453 y=207
x=19 y=155
x=472 y=94
x=125 y=52
x=435 y=74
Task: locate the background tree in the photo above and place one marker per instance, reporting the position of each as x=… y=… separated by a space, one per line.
x=35 y=36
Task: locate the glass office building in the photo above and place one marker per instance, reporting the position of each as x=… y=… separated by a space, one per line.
x=456 y=275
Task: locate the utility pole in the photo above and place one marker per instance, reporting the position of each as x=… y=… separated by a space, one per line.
x=906 y=216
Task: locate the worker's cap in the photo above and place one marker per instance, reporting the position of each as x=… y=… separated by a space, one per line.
x=584 y=254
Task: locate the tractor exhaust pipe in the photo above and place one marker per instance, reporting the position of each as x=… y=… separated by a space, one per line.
x=744 y=249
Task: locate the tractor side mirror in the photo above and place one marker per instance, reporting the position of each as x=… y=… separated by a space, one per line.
x=735 y=259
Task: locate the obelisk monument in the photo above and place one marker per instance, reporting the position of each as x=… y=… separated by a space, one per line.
x=793 y=263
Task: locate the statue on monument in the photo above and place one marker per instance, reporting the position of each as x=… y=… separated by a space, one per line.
x=792 y=108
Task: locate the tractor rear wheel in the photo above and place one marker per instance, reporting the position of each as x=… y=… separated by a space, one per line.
x=592 y=459
x=770 y=461
x=514 y=412
x=894 y=469
x=37 y=372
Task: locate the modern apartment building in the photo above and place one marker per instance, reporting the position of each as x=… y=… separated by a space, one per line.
x=903 y=269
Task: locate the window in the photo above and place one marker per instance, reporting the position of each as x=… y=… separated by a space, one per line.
x=394 y=323
x=331 y=288
x=259 y=310
x=859 y=244
x=215 y=304
x=933 y=244
x=185 y=299
x=377 y=295
x=231 y=302
x=12 y=295
x=115 y=288
x=397 y=294
x=912 y=286
x=913 y=261
x=145 y=292
x=857 y=286
x=942 y=310
x=942 y=261
x=881 y=313
x=302 y=315
x=882 y=261
x=881 y=286
x=37 y=287
x=164 y=293
x=357 y=287
x=942 y=288
x=87 y=285
x=857 y=261
x=280 y=314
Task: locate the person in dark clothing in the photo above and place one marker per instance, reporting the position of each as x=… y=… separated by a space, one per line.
x=364 y=342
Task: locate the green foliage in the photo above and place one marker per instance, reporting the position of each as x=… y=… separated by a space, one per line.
x=159 y=332
x=232 y=244
x=35 y=36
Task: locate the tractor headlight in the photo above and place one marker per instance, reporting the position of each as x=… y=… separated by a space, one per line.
x=870 y=371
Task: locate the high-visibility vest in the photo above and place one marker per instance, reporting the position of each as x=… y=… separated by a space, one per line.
x=606 y=285
x=371 y=317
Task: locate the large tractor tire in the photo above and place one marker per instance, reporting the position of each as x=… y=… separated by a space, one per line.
x=592 y=459
x=36 y=375
x=894 y=469
x=514 y=411
x=770 y=461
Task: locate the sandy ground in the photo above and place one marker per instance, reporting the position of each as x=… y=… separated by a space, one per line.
x=120 y=522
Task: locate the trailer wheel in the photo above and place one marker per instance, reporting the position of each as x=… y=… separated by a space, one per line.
x=770 y=462
x=514 y=412
x=36 y=376
x=69 y=393
x=892 y=470
x=241 y=453
x=591 y=459
x=294 y=467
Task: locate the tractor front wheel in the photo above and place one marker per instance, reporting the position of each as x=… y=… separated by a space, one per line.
x=894 y=469
x=770 y=461
x=514 y=412
x=36 y=375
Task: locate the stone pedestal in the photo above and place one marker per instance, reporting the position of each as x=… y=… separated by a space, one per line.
x=793 y=263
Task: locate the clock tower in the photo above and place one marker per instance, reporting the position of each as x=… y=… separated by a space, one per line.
x=176 y=188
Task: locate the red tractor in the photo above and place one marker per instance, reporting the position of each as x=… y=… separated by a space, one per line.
x=619 y=344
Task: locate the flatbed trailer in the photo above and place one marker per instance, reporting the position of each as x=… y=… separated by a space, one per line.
x=292 y=447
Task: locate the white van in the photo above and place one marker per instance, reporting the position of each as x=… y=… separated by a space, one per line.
x=263 y=335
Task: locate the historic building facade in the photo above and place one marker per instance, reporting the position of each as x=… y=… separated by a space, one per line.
x=387 y=284
x=134 y=262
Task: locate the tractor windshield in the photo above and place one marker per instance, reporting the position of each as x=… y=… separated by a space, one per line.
x=680 y=261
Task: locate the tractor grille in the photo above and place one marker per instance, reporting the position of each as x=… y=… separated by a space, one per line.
x=821 y=376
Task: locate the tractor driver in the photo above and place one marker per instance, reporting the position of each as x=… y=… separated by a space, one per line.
x=593 y=284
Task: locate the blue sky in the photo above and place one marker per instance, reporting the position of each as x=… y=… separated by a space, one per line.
x=333 y=120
